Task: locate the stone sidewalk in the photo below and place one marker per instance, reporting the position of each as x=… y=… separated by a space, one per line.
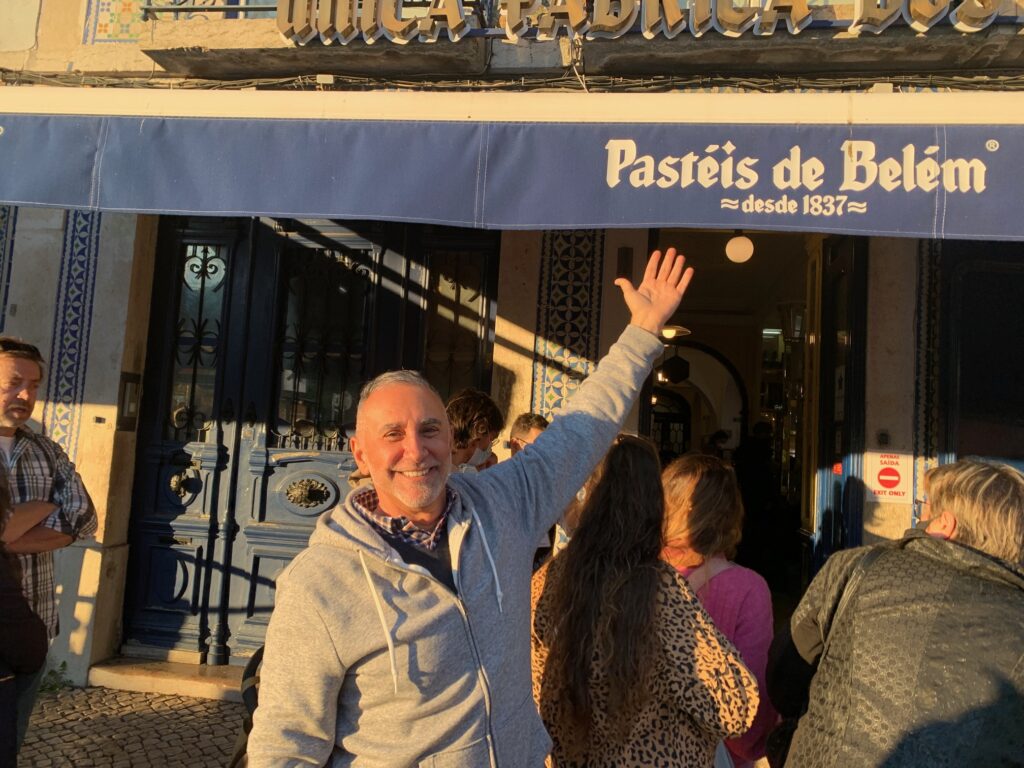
x=101 y=727
x=107 y=728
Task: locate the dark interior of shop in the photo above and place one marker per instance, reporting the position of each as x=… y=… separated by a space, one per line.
x=740 y=393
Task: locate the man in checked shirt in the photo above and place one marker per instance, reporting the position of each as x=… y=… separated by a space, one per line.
x=51 y=507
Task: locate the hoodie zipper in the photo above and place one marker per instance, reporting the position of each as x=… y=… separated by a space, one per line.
x=481 y=672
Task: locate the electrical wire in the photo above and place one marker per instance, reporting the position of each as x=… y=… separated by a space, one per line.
x=569 y=80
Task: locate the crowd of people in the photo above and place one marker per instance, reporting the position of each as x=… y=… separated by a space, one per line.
x=579 y=605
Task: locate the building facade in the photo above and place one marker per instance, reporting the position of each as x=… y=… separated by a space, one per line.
x=219 y=230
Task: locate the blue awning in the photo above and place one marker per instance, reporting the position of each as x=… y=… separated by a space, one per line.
x=484 y=168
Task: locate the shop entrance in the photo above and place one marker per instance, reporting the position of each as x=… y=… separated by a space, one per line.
x=773 y=354
x=262 y=332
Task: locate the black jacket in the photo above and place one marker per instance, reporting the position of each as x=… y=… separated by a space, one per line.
x=925 y=667
x=23 y=642
x=23 y=647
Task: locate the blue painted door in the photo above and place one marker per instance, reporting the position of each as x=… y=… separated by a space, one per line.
x=262 y=333
x=840 y=487
x=201 y=266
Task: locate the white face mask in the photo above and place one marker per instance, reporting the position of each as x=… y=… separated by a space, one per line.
x=480 y=455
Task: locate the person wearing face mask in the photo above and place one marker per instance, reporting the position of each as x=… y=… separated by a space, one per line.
x=909 y=653
x=476 y=421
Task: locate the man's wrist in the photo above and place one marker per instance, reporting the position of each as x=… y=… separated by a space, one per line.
x=646 y=324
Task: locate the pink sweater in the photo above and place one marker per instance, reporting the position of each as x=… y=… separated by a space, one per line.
x=740 y=604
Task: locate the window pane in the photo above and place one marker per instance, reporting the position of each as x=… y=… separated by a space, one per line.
x=991 y=417
x=321 y=359
x=455 y=321
x=197 y=341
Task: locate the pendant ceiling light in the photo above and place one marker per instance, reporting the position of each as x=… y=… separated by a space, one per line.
x=675 y=370
x=739 y=249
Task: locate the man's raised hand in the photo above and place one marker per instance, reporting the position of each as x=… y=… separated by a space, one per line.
x=653 y=302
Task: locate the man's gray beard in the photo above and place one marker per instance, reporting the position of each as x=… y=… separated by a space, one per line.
x=436 y=493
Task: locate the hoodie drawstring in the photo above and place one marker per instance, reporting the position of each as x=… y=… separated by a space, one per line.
x=383 y=621
x=490 y=558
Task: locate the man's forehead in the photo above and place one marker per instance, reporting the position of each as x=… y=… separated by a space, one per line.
x=429 y=421
x=401 y=403
x=25 y=366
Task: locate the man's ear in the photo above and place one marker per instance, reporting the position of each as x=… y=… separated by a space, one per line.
x=942 y=526
x=357 y=454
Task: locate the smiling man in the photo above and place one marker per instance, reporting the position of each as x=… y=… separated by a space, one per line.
x=401 y=635
x=50 y=506
x=408 y=474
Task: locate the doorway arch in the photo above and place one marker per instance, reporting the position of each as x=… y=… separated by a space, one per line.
x=721 y=384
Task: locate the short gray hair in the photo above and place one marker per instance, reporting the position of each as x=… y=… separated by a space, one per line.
x=987 y=500
x=403 y=376
x=525 y=422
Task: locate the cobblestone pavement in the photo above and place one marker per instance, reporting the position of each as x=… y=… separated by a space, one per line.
x=101 y=727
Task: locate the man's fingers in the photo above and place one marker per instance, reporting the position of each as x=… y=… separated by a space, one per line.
x=651 y=273
x=666 y=264
x=685 y=283
x=677 y=270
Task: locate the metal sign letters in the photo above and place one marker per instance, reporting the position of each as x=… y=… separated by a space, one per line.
x=342 y=21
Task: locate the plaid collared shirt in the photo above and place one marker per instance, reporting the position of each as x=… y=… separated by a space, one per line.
x=368 y=504
x=39 y=470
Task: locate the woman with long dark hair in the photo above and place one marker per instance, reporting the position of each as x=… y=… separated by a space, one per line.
x=628 y=669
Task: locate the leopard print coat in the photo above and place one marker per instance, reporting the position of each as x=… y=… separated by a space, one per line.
x=701 y=692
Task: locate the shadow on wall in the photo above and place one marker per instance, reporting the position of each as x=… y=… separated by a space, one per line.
x=840 y=518
x=76 y=612
x=502 y=383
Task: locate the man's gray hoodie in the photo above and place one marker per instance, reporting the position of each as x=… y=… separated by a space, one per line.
x=373 y=662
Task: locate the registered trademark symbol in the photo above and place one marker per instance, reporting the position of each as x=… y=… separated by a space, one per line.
x=991 y=145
